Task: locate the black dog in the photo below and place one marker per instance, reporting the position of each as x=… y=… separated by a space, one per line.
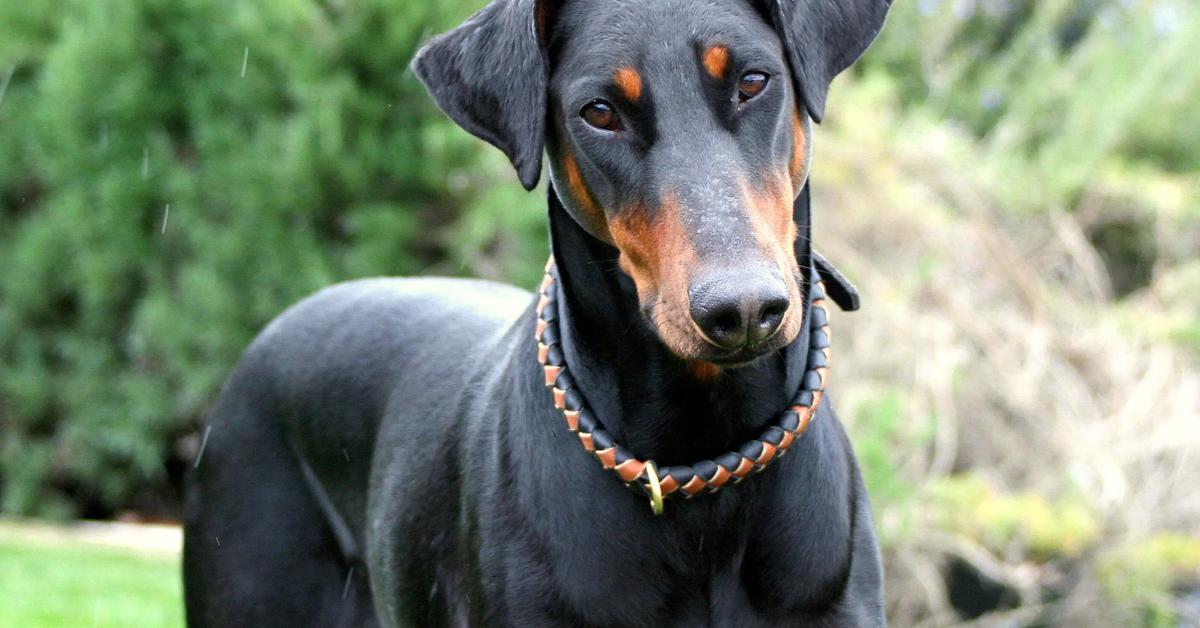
x=406 y=453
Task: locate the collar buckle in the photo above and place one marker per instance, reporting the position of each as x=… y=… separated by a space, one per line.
x=656 y=495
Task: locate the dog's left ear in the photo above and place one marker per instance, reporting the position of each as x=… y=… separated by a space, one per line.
x=489 y=75
x=824 y=37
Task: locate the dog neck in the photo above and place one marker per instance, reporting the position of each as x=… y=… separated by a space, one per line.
x=650 y=400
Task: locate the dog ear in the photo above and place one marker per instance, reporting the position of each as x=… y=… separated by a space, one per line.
x=822 y=38
x=489 y=75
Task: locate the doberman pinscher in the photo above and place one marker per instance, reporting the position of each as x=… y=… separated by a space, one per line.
x=432 y=452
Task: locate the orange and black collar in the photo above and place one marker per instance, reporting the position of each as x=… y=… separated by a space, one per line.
x=709 y=476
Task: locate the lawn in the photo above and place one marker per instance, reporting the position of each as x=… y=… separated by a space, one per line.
x=56 y=580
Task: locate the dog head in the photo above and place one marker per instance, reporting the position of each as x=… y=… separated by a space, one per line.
x=678 y=131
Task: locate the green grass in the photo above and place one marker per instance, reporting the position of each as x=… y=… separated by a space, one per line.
x=57 y=584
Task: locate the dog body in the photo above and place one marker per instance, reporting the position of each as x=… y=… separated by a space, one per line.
x=387 y=450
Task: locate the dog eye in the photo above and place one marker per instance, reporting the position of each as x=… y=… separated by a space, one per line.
x=751 y=85
x=600 y=114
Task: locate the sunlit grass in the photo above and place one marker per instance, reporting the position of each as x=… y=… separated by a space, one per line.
x=69 y=583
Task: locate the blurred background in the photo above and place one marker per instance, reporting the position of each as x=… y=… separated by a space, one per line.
x=1013 y=184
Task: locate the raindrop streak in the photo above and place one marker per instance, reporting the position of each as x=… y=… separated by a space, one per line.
x=200 y=454
x=145 y=162
x=7 y=78
x=346 y=589
x=245 y=58
x=166 y=215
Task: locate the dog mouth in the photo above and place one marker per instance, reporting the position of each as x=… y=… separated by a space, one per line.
x=740 y=358
x=747 y=355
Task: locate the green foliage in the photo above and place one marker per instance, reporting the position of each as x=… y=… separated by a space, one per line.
x=74 y=584
x=967 y=504
x=1056 y=89
x=1141 y=576
x=1045 y=529
x=881 y=430
x=293 y=148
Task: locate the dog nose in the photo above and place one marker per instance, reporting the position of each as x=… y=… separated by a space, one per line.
x=739 y=309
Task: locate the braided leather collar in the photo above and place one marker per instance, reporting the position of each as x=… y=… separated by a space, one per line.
x=706 y=475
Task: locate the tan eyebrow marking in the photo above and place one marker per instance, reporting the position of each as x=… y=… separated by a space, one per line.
x=629 y=82
x=716 y=61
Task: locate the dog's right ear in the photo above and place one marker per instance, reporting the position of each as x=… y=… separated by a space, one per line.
x=822 y=38
x=489 y=75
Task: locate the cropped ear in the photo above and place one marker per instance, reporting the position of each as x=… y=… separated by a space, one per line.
x=824 y=37
x=489 y=75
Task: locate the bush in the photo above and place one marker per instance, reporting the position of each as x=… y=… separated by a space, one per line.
x=172 y=175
